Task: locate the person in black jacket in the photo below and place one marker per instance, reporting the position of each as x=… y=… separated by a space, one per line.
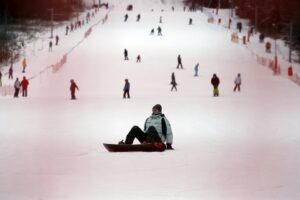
x=126 y=54
x=179 y=62
x=215 y=81
x=173 y=82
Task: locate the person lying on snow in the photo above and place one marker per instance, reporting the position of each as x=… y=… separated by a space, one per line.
x=157 y=129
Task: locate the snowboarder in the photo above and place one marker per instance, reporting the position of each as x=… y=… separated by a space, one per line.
x=237 y=82
x=56 y=40
x=67 y=30
x=24 y=64
x=157 y=129
x=17 y=86
x=173 y=82
x=215 y=81
x=196 y=69
x=126 y=89
x=73 y=88
x=152 y=32
x=138 y=17
x=159 y=31
x=125 y=18
x=126 y=54
x=179 y=62
x=50 y=46
x=24 y=85
x=10 y=72
x=190 y=21
x=138 y=59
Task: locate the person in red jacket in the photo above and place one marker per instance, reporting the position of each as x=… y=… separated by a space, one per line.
x=24 y=86
x=73 y=87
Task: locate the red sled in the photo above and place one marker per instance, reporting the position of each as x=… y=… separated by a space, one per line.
x=149 y=147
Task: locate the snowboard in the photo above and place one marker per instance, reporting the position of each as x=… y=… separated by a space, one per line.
x=149 y=147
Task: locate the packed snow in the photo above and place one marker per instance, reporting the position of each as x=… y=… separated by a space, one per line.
x=240 y=145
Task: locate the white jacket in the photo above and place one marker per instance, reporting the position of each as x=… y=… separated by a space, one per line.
x=162 y=126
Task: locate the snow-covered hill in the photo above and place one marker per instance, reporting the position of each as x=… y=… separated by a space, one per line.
x=241 y=145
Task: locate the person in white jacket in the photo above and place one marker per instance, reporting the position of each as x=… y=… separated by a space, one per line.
x=17 y=86
x=237 y=82
x=157 y=128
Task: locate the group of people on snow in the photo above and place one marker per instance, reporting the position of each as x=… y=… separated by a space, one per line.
x=23 y=85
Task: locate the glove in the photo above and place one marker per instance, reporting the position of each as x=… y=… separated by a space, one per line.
x=169 y=146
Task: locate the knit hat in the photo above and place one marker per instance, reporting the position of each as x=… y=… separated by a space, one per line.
x=157 y=107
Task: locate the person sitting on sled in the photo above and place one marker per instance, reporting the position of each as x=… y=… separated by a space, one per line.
x=157 y=129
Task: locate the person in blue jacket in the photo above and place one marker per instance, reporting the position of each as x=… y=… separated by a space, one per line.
x=157 y=129
x=126 y=89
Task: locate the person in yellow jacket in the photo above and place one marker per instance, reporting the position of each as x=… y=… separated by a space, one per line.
x=24 y=64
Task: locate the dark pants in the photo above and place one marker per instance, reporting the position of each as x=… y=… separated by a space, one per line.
x=237 y=86
x=73 y=94
x=174 y=87
x=10 y=76
x=150 y=136
x=179 y=64
x=126 y=93
x=16 y=92
x=24 y=92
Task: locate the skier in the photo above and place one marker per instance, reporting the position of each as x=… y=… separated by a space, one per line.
x=56 y=40
x=126 y=54
x=160 y=19
x=229 y=23
x=125 y=18
x=215 y=81
x=268 y=47
x=159 y=31
x=138 y=17
x=179 y=62
x=239 y=26
x=173 y=8
x=190 y=21
x=126 y=89
x=73 y=88
x=72 y=27
x=50 y=46
x=17 y=86
x=157 y=129
x=196 y=69
x=261 y=37
x=237 y=82
x=138 y=59
x=67 y=29
x=10 y=72
x=173 y=82
x=152 y=32
x=24 y=85
x=24 y=64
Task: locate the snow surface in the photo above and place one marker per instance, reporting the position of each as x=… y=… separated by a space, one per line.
x=242 y=145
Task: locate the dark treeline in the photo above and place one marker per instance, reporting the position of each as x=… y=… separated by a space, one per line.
x=38 y=9
x=272 y=17
x=27 y=16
